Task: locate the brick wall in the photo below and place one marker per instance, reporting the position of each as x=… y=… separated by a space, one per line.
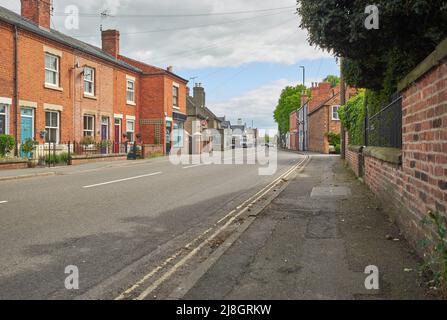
x=418 y=185
x=352 y=158
x=318 y=127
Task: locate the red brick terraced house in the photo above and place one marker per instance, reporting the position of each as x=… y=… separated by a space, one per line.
x=322 y=115
x=54 y=88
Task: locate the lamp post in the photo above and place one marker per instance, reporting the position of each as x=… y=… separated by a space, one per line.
x=304 y=75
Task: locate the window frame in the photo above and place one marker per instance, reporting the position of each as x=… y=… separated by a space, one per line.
x=6 y=114
x=175 y=96
x=56 y=71
x=92 y=81
x=334 y=110
x=50 y=127
x=92 y=130
x=131 y=132
x=130 y=91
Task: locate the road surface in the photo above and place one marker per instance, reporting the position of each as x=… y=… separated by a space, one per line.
x=114 y=224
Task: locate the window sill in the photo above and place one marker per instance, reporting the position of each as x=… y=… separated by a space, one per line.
x=176 y=108
x=52 y=87
x=130 y=103
x=88 y=96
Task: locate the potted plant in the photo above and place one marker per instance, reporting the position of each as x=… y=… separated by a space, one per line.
x=28 y=148
x=43 y=133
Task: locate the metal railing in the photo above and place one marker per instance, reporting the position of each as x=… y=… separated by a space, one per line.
x=384 y=129
x=57 y=154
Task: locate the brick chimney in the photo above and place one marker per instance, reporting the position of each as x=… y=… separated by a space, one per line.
x=38 y=11
x=111 y=42
x=199 y=95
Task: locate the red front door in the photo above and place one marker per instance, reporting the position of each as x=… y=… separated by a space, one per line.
x=117 y=136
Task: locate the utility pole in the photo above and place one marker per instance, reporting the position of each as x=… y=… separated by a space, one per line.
x=342 y=102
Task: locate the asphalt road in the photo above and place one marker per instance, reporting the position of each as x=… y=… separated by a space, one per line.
x=112 y=223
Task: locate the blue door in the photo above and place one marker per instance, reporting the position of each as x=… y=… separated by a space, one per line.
x=26 y=126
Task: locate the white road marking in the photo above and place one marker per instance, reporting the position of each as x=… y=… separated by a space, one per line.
x=194 y=166
x=122 y=180
x=230 y=216
x=2 y=202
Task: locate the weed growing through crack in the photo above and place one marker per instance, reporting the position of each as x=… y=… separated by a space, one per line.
x=436 y=257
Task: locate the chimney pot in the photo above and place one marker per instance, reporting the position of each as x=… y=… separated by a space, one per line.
x=38 y=11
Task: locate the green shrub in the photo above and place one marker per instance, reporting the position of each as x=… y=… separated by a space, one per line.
x=28 y=147
x=57 y=159
x=7 y=143
x=352 y=116
x=333 y=138
x=338 y=149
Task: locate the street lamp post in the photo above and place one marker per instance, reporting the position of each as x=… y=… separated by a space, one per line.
x=304 y=75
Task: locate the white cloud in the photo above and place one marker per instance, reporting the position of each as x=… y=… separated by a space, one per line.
x=231 y=41
x=256 y=105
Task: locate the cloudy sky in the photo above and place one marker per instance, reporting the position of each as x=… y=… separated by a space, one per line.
x=242 y=51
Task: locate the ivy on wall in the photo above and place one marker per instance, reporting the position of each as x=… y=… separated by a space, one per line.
x=352 y=116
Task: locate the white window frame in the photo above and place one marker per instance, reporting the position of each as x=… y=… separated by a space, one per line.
x=92 y=81
x=333 y=110
x=130 y=91
x=132 y=132
x=175 y=104
x=56 y=71
x=6 y=114
x=52 y=127
x=92 y=130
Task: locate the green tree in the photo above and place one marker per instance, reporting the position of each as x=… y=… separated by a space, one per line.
x=333 y=80
x=409 y=30
x=289 y=101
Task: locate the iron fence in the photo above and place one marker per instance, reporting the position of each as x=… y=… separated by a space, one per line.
x=57 y=154
x=384 y=129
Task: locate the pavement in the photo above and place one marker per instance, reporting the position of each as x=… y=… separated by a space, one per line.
x=314 y=241
x=113 y=221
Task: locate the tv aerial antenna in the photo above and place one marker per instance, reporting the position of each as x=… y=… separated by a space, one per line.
x=104 y=15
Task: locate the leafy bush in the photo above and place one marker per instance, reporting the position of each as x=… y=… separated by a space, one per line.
x=7 y=143
x=352 y=116
x=28 y=147
x=87 y=140
x=333 y=138
x=338 y=149
x=57 y=159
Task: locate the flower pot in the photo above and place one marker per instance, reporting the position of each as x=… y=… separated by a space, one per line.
x=32 y=163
